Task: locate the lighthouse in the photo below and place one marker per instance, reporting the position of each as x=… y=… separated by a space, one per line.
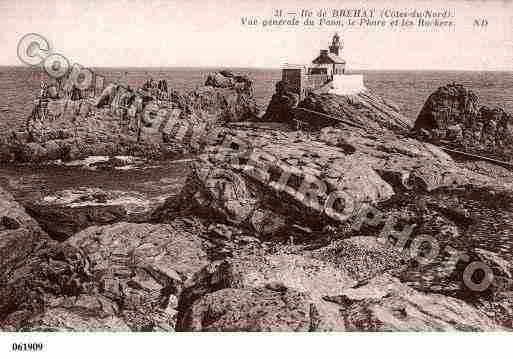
x=326 y=74
x=329 y=63
x=336 y=44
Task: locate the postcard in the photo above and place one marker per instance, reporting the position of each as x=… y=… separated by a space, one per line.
x=238 y=166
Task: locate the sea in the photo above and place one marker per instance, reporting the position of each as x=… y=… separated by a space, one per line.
x=408 y=89
x=145 y=182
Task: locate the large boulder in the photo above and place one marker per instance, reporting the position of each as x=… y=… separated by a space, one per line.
x=15 y=222
x=278 y=272
x=255 y=175
x=452 y=115
x=253 y=309
x=363 y=109
x=225 y=104
x=286 y=178
x=447 y=106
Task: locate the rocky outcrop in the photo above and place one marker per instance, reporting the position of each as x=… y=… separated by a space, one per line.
x=384 y=304
x=264 y=234
x=364 y=109
x=361 y=257
x=227 y=79
x=233 y=186
x=141 y=268
x=255 y=176
x=448 y=106
x=72 y=130
x=16 y=223
x=122 y=121
x=477 y=276
x=245 y=294
x=227 y=97
x=119 y=277
x=281 y=274
x=453 y=116
x=253 y=309
x=67 y=212
x=231 y=104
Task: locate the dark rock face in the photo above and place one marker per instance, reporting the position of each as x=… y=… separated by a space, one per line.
x=281 y=105
x=452 y=115
x=15 y=222
x=448 y=106
x=68 y=212
x=61 y=222
x=491 y=277
x=229 y=96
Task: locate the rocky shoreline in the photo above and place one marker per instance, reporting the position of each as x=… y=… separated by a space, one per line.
x=270 y=232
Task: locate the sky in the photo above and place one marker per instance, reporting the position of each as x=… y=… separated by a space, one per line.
x=204 y=33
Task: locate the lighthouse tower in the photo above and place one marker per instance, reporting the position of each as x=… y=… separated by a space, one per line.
x=325 y=74
x=336 y=45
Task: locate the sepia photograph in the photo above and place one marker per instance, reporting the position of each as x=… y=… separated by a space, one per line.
x=254 y=166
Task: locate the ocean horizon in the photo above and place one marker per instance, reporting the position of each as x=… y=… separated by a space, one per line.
x=409 y=89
